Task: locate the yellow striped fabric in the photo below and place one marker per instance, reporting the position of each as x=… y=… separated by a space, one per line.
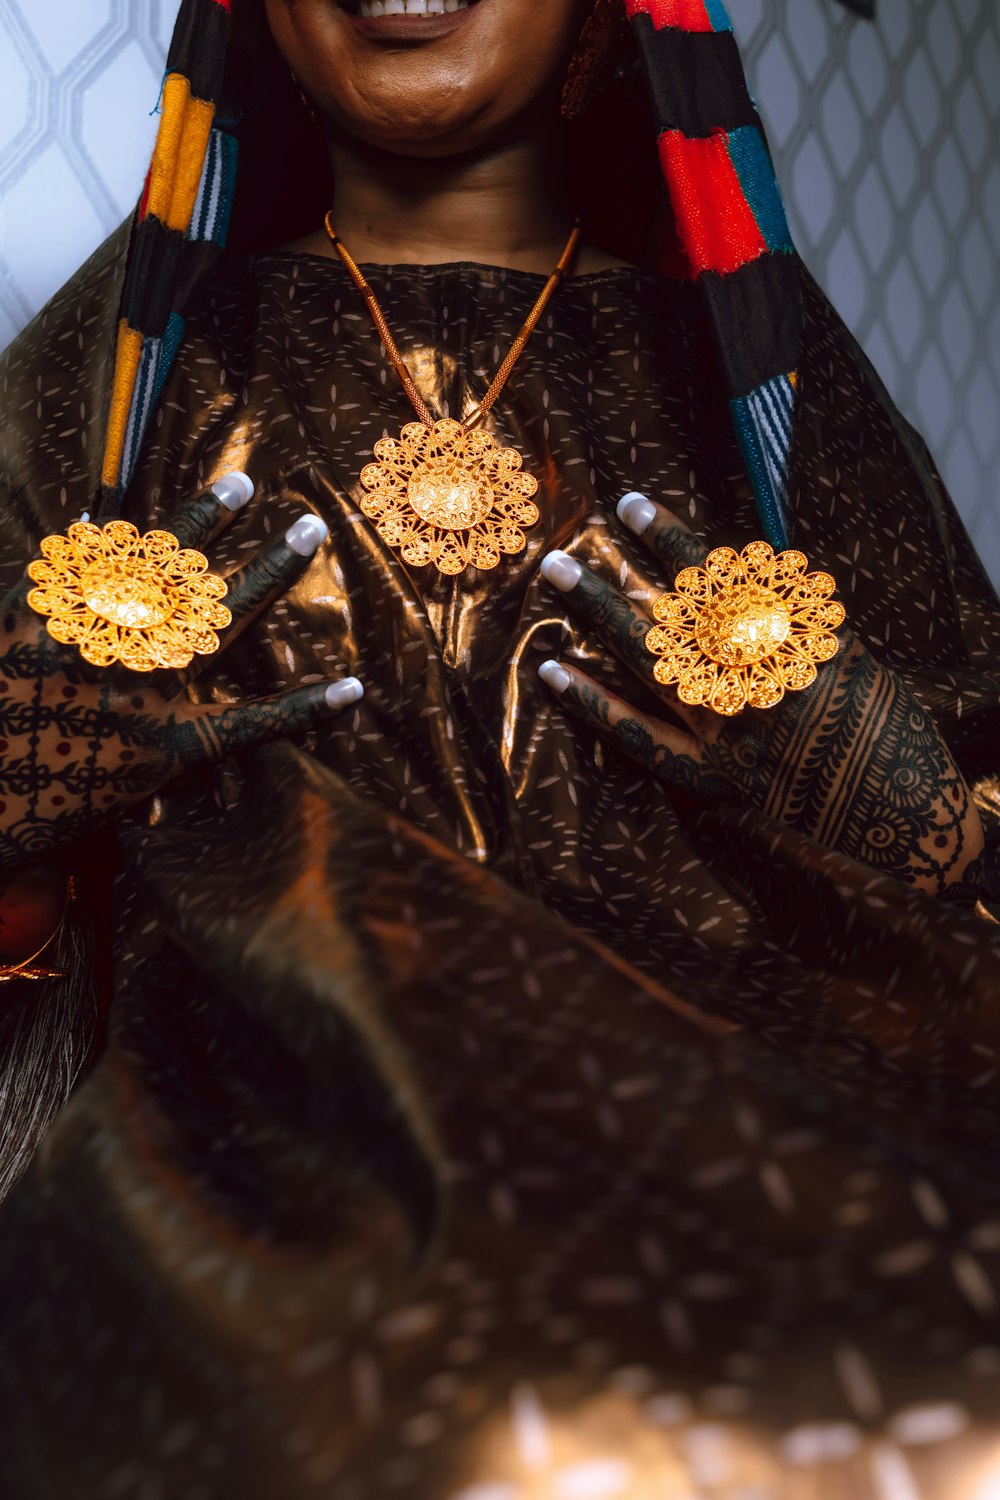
x=179 y=155
x=126 y=364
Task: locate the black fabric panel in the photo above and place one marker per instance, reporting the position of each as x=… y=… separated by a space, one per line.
x=151 y=283
x=760 y=309
x=198 y=47
x=696 y=79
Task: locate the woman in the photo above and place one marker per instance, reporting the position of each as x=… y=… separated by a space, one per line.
x=520 y=1080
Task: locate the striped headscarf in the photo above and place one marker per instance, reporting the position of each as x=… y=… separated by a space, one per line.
x=727 y=211
x=731 y=225
x=183 y=215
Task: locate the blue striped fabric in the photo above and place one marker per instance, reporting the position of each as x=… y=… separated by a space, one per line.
x=213 y=205
x=143 y=395
x=716 y=11
x=764 y=423
x=171 y=343
x=209 y=225
x=154 y=366
x=749 y=155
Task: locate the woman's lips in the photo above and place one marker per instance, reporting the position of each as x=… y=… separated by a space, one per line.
x=409 y=28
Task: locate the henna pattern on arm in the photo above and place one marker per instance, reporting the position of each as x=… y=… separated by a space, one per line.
x=633 y=734
x=677 y=549
x=859 y=765
x=869 y=774
x=197 y=520
x=624 y=627
x=856 y=763
x=77 y=743
x=277 y=567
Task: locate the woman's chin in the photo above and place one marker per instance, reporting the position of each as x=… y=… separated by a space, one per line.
x=425 y=83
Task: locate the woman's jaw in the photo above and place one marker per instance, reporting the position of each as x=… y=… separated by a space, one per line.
x=426 y=84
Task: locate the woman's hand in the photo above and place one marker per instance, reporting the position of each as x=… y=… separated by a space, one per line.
x=853 y=761
x=78 y=742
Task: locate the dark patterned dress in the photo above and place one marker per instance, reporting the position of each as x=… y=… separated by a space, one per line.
x=477 y=1120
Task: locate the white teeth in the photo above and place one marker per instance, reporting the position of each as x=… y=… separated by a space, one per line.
x=372 y=9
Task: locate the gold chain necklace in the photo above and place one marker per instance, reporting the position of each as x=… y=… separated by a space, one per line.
x=446 y=492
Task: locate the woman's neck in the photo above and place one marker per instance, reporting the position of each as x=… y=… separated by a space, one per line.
x=505 y=208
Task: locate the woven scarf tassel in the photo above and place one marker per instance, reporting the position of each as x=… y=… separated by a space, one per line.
x=185 y=207
x=732 y=227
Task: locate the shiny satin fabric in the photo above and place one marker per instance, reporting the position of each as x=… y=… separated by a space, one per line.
x=478 y=1120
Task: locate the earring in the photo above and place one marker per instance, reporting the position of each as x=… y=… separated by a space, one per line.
x=604 y=48
x=307 y=103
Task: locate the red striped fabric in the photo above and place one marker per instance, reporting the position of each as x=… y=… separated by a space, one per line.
x=714 y=219
x=683 y=15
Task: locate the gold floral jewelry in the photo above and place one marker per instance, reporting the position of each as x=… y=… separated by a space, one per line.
x=143 y=601
x=745 y=629
x=448 y=496
x=445 y=492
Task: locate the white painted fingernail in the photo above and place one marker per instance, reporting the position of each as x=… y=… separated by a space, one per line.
x=307 y=535
x=554 y=676
x=234 y=490
x=636 y=511
x=342 y=694
x=562 y=571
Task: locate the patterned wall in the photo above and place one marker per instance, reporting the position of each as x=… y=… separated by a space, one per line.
x=887 y=138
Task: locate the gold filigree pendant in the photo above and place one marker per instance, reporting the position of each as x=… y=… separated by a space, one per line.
x=745 y=629
x=143 y=601
x=450 y=497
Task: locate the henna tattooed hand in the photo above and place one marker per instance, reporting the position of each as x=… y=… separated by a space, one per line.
x=855 y=761
x=78 y=742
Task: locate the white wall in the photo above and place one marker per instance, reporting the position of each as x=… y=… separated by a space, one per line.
x=887 y=138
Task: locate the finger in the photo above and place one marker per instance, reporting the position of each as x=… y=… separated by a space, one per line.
x=668 y=753
x=666 y=535
x=614 y=618
x=207 y=734
x=198 y=521
x=272 y=572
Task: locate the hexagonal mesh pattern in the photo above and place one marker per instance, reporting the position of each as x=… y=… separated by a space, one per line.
x=887 y=139
x=80 y=78
x=887 y=142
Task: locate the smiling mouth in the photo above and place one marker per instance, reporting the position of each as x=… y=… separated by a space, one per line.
x=415 y=12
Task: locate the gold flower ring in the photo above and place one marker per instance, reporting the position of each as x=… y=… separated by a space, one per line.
x=119 y=596
x=745 y=629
